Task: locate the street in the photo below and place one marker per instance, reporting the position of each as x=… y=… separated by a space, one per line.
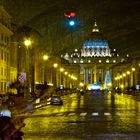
x=89 y=117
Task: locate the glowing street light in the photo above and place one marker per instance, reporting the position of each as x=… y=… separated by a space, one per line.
x=124 y=74
x=128 y=72
x=30 y=65
x=55 y=65
x=81 y=84
x=66 y=73
x=133 y=69
x=61 y=69
x=27 y=43
x=45 y=57
x=61 y=76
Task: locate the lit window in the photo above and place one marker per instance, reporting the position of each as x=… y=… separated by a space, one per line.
x=114 y=61
x=100 y=61
x=107 y=61
x=81 y=61
x=89 y=61
x=75 y=61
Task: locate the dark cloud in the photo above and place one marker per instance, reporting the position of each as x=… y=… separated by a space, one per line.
x=119 y=20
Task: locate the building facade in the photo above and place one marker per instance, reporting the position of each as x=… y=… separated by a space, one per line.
x=7 y=73
x=95 y=60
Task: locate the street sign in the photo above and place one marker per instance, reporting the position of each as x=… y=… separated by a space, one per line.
x=22 y=77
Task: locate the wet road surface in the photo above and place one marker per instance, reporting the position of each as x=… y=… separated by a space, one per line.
x=89 y=117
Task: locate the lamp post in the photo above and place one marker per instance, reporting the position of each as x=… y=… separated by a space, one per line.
x=29 y=67
x=18 y=66
x=66 y=73
x=118 y=81
x=139 y=75
x=45 y=58
x=55 y=76
x=133 y=70
x=61 y=76
x=128 y=73
x=124 y=75
x=121 y=81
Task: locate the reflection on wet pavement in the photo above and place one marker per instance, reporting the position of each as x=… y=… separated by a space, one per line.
x=101 y=117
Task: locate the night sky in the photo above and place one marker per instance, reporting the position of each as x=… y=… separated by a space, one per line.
x=119 y=20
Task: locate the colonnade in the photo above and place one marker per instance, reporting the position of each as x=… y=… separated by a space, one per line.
x=94 y=74
x=128 y=79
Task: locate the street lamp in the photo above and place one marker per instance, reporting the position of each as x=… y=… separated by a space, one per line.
x=45 y=58
x=133 y=70
x=61 y=78
x=27 y=43
x=30 y=64
x=118 y=81
x=55 y=65
x=124 y=75
x=55 y=76
x=66 y=79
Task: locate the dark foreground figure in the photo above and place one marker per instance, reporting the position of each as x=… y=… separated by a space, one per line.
x=8 y=131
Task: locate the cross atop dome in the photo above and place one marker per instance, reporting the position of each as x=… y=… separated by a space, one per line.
x=95 y=27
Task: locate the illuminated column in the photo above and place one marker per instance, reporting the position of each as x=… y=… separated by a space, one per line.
x=112 y=77
x=128 y=73
x=95 y=70
x=102 y=75
x=85 y=75
x=91 y=74
x=124 y=81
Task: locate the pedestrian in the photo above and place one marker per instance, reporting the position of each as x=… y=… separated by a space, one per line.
x=7 y=127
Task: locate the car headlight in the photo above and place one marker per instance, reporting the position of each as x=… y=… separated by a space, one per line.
x=49 y=99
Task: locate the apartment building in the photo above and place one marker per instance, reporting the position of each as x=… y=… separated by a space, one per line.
x=5 y=35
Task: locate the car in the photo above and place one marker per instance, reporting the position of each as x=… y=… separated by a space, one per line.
x=56 y=100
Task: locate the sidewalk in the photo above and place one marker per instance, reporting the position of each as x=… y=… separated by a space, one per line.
x=26 y=107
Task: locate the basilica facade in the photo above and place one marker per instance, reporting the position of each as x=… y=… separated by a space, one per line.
x=95 y=60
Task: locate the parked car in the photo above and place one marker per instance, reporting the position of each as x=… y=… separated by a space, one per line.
x=55 y=99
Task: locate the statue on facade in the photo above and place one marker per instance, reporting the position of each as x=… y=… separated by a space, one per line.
x=92 y=52
x=66 y=56
x=103 y=52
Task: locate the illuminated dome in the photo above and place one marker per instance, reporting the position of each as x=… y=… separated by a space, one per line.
x=95 y=40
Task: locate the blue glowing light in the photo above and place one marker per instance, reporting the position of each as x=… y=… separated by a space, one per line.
x=95 y=86
x=71 y=23
x=108 y=82
x=96 y=43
